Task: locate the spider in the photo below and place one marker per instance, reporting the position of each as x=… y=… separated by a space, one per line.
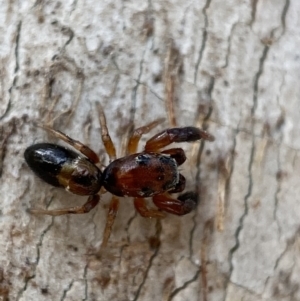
x=150 y=173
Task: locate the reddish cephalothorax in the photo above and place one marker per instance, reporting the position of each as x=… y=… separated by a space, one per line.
x=150 y=173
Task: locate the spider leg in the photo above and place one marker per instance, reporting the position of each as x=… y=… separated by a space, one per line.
x=111 y=216
x=184 y=204
x=92 y=202
x=108 y=144
x=137 y=134
x=85 y=150
x=143 y=210
x=168 y=136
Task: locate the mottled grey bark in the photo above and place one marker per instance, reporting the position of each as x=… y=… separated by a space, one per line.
x=230 y=66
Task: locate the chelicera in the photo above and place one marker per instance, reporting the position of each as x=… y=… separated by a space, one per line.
x=151 y=173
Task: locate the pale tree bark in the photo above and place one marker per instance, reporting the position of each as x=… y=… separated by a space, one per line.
x=232 y=67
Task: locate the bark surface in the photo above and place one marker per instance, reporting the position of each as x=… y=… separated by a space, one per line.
x=232 y=67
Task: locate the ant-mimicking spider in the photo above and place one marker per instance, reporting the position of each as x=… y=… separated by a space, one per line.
x=150 y=173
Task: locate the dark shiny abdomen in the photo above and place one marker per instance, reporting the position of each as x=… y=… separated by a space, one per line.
x=62 y=167
x=46 y=160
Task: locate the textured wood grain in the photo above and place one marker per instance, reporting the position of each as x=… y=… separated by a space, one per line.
x=232 y=67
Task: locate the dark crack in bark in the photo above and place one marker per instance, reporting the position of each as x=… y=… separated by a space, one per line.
x=17 y=48
x=256 y=81
x=245 y=213
x=283 y=15
x=290 y=243
x=85 y=271
x=17 y=66
x=158 y=232
x=67 y=31
x=250 y=186
x=253 y=10
x=63 y=297
x=35 y=264
x=229 y=45
x=184 y=286
x=204 y=39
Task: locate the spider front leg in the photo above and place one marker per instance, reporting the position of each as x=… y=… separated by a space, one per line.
x=85 y=150
x=137 y=134
x=184 y=204
x=91 y=203
x=185 y=134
